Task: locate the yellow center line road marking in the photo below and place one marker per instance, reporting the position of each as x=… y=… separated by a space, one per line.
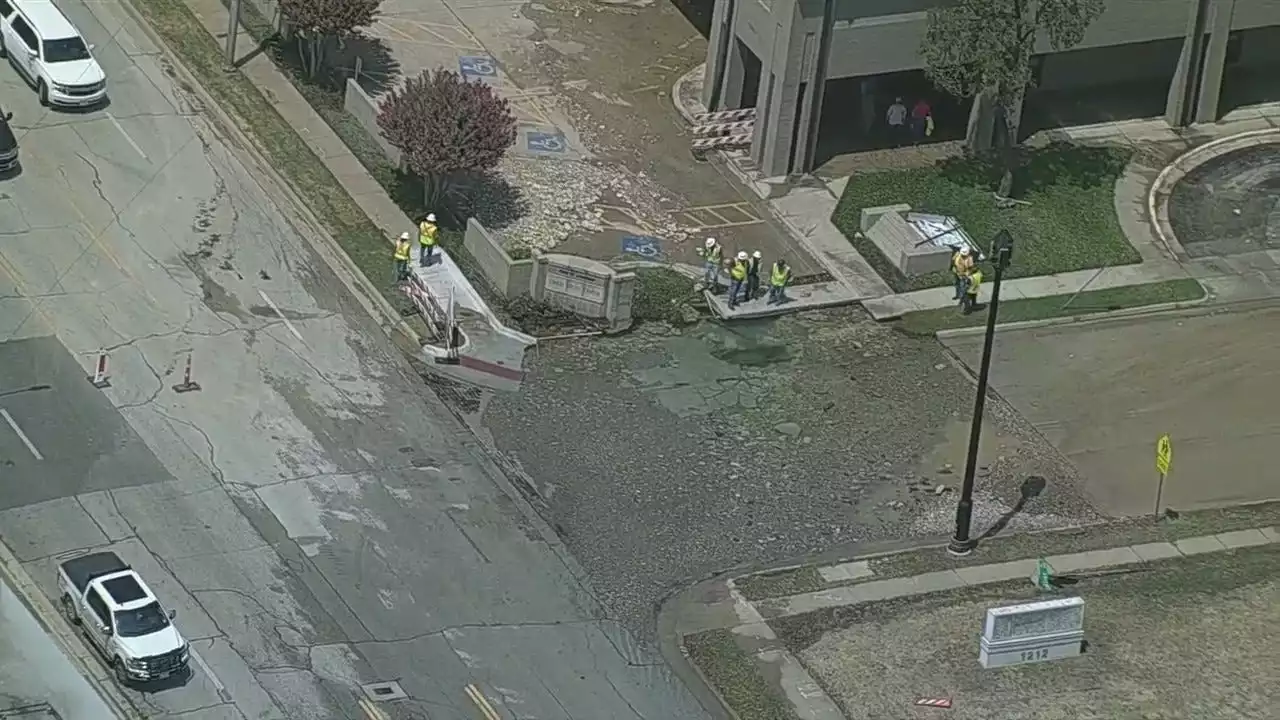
x=373 y=712
x=482 y=703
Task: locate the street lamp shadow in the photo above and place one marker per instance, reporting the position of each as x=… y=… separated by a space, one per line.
x=1030 y=489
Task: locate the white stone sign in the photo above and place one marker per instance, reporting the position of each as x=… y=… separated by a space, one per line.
x=1032 y=632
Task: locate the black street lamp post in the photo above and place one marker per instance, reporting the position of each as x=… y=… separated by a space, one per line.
x=961 y=544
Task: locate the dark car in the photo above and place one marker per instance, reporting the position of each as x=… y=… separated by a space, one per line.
x=8 y=144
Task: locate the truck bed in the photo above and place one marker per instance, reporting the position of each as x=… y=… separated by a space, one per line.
x=84 y=569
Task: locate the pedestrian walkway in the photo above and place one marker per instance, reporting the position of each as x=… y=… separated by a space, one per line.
x=891 y=307
x=719 y=605
x=37 y=679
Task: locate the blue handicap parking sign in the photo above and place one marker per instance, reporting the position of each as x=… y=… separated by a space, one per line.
x=647 y=247
x=545 y=142
x=477 y=66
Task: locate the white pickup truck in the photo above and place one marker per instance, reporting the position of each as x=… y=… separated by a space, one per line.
x=122 y=618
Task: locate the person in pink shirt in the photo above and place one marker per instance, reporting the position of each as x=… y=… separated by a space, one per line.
x=920 y=119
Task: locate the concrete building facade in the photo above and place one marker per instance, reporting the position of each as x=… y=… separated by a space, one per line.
x=784 y=58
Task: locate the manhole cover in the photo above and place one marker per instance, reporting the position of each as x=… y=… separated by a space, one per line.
x=384 y=691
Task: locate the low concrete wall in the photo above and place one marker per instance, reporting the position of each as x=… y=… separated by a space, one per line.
x=512 y=278
x=587 y=287
x=363 y=108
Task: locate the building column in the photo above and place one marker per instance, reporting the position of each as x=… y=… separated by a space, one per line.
x=1180 y=104
x=722 y=58
x=1215 y=61
x=979 y=136
x=781 y=75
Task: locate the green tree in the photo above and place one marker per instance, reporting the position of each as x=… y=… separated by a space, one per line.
x=974 y=47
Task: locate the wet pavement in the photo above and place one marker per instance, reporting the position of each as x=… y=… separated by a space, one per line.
x=1229 y=205
x=664 y=456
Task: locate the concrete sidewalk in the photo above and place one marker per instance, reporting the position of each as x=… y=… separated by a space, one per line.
x=891 y=307
x=880 y=574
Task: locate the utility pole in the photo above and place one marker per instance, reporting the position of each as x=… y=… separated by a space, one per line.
x=233 y=29
x=962 y=544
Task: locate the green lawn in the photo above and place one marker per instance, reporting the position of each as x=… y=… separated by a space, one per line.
x=1069 y=224
x=928 y=322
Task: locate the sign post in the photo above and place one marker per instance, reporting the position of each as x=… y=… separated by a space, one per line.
x=1164 y=457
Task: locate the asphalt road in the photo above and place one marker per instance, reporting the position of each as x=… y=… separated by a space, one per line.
x=1207 y=378
x=317 y=519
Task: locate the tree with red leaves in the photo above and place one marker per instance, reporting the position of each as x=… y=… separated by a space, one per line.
x=320 y=24
x=446 y=128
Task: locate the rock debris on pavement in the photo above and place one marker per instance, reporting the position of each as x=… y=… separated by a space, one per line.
x=666 y=455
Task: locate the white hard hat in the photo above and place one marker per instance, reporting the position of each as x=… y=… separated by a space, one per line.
x=431 y=217
x=757 y=255
x=404 y=236
x=742 y=255
x=964 y=251
x=711 y=242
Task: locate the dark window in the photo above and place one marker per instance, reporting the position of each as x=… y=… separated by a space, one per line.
x=5 y=9
x=124 y=589
x=141 y=621
x=65 y=50
x=98 y=606
x=25 y=33
x=1235 y=46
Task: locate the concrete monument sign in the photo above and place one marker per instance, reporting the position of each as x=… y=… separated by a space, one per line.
x=1032 y=632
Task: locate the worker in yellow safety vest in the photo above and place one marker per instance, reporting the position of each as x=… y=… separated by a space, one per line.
x=961 y=266
x=778 y=279
x=403 y=251
x=737 y=278
x=970 y=301
x=427 y=239
x=712 y=255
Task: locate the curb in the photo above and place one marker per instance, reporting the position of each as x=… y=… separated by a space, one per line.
x=1123 y=313
x=1157 y=212
x=679 y=84
x=64 y=635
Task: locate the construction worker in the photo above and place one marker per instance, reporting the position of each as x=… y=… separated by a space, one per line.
x=961 y=267
x=427 y=239
x=712 y=255
x=403 y=251
x=970 y=301
x=778 y=279
x=753 y=275
x=737 y=278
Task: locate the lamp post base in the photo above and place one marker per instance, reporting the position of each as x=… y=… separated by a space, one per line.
x=960 y=548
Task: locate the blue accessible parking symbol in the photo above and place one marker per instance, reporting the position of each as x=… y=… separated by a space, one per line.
x=545 y=142
x=645 y=247
x=474 y=66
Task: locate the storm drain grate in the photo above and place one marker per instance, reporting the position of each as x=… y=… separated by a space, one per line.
x=384 y=691
x=31 y=712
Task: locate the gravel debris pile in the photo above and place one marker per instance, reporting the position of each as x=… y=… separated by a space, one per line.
x=558 y=199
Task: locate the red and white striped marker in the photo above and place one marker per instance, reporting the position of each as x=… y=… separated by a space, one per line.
x=934 y=702
x=187 y=384
x=99 y=376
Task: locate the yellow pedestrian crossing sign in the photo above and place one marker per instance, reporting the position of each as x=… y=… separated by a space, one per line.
x=1164 y=454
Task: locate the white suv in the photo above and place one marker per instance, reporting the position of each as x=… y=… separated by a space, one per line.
x=49 y=51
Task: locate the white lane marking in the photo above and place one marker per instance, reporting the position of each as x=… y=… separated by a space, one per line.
x=21 y=435
x=272 y=304
x=208 y=671
x=120 y=127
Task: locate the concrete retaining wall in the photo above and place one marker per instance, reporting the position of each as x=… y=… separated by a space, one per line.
x=512 y=278
x=580 y=285
x=363 y=108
